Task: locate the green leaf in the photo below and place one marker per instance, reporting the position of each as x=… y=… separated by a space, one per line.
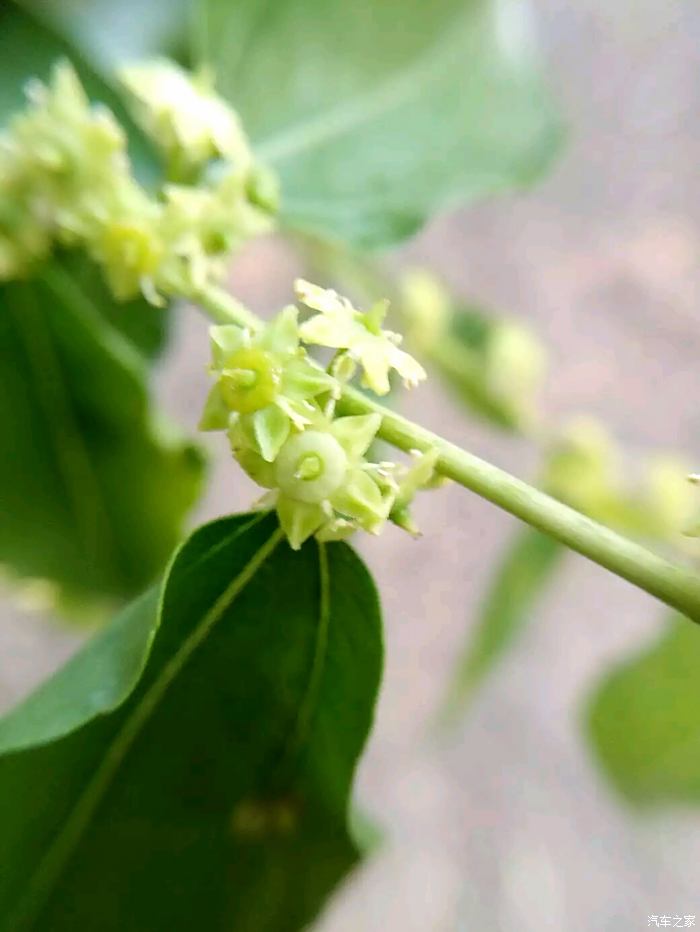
x=93 y=486
x=95 y=681
x=643 y=720
x=145 y=326
x=216 y=795
x=378 y=114
x=109 y=34
x=518 y=583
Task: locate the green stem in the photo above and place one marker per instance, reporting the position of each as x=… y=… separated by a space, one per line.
x=675 y=585
x=223 y=308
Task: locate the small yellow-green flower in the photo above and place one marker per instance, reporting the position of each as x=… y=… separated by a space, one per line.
x=63 y=163
x=130 y=250
x=514 y=369
x=278 y=408
x=427 y=309
x=72 y=150
x=202 y=226
x=340 y=326
x=409 y=480
x=264 y=384
x=184 y=116
x=585 y=468
x=66 y=179
x=323 y=485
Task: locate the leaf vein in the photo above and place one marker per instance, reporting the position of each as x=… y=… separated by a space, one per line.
x=48 y=871
x=380 y=98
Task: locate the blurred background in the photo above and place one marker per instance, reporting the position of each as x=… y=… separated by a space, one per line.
x=506 y=823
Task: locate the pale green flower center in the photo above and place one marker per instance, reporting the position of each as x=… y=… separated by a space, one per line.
x=311 y=466
x=250 y=381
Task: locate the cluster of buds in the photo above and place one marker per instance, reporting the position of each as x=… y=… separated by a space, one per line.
x=277 y=405
x=66 y=180
x=585 y=468
x=496 y=364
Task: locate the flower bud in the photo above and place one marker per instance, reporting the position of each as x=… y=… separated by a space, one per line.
x=183 y=115
x=426 y=305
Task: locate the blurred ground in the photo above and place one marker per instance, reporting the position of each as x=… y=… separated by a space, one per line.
x=508 y=825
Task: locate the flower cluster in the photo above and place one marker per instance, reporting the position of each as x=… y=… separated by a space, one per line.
x=585 y=468
x=496 y=364
x=277 y=405
x=66 y=180
x=184 y=116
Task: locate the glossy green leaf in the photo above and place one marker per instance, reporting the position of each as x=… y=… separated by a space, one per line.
x=216 y=795
x=93 y=486
x=377 y=114
x=643 y=720
x=518 y=583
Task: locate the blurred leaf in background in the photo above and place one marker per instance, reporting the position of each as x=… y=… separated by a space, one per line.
x=109 y=34
x=202 y=778
x=643 y=720
x=376 y=115
x=583 y=467
x=94 y=486
x=524 y=573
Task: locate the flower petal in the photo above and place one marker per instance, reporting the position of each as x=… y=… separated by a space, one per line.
x=359 y=498
x=281 y=335
x=256 y=467
x=321 y=299
x=299 y=520
x=407 y=367
x=338 y=331
x=271 y=428
x=336 y=529
x=356 y=433
x=226 y=339
x=295 y=411
x=374 y=359
x=305 y=379
x=216 y=414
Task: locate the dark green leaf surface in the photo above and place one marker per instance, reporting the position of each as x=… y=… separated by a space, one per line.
x=145 y=326
x=93 y=488
x=527 y=568
x=644 y=720
x=216 y=796
x=377 y=114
